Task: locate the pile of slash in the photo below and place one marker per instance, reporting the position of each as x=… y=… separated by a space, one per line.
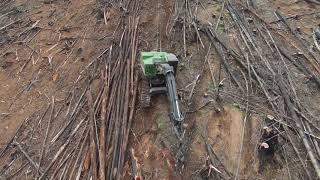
x=86 y=134
x=274 y=70
x=271 y=67
x=268 y=67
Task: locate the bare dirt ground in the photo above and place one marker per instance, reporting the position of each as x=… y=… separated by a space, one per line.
x=48 y=59
x=47 y=47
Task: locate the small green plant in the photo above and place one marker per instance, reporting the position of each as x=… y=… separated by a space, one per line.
x=211 y=87
x=160 y=122
x=20 y=8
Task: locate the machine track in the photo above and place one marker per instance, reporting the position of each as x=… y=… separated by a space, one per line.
x=144 y=94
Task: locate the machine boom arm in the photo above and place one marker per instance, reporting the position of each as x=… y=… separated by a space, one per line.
x=175 y=113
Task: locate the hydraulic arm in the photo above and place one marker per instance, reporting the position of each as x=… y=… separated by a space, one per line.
x=175 y=113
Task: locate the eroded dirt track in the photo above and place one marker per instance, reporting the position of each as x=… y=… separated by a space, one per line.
x=243 y=66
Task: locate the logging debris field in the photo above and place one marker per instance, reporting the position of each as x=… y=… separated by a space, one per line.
x=248 y=82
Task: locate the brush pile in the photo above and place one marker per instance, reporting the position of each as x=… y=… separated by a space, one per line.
x=270 y=71
x=269 y=68
x=86 y=134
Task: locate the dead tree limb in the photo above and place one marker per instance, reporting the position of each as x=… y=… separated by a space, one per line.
x=34 y=164
x=286 y=97
x=93 y=145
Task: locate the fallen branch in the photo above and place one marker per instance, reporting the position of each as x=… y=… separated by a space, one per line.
x=42 y=153
x=286 y=97
x=34 y=164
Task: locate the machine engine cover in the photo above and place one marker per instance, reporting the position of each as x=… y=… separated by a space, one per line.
x=149 y=61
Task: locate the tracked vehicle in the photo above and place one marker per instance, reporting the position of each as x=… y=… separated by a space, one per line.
x=159 y=69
